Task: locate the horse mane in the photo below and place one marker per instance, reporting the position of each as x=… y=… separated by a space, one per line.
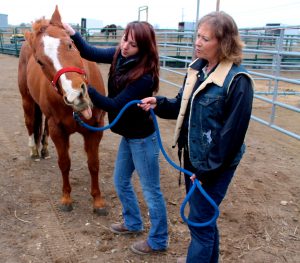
x=40 y=25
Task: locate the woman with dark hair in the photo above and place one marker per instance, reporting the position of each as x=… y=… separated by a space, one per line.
x=213 y=111
x=133 y=75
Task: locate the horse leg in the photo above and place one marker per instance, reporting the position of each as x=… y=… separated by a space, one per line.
x=32 y=112
x=91 y=146
x=61 y=141
x=44 y=152
x=33 y=117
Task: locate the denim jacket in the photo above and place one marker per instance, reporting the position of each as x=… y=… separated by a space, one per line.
x=210 y=115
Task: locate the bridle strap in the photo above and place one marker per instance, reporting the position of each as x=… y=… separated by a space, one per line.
x=64 y=70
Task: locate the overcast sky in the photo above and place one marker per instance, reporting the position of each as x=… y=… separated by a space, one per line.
x=161 y=13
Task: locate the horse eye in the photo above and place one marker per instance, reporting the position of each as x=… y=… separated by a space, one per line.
x=39 y=62
x=72 y=46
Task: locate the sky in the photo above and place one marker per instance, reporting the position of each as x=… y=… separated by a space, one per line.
x=161 y=13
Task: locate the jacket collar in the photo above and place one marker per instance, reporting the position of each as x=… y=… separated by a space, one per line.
x=125 y=63
x=218 y=75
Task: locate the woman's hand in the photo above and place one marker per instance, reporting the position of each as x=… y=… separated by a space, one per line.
x=69 y=29
x=193 y=178
x=148 y=103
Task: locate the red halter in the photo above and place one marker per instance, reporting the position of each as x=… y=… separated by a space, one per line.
x=64 y=70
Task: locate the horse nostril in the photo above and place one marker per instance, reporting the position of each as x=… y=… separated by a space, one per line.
x=84 y=89
x=66 y=100
x=81 y=95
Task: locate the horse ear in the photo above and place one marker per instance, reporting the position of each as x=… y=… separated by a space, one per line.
x=56 y=19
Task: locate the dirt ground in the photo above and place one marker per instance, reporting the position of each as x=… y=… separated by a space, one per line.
x=259 y=220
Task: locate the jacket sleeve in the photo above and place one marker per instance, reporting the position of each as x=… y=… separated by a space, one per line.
x=169 y=108
x=134 y=91
x=92 y=53
x=237 y=117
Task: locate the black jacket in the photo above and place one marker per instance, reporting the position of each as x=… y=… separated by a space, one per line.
x=135 y=122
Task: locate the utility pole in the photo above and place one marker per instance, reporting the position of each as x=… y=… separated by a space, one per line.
x=196 y=29
x=218 y=6
x=197 y=14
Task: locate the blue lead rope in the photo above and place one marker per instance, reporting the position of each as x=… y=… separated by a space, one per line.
x=196 y=182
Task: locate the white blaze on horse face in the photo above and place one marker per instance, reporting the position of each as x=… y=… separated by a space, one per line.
x=51 y=45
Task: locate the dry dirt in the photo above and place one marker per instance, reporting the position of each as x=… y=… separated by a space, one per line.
x=259 y=220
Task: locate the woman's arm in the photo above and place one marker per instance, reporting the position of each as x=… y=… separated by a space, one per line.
x=134 y=91
x=87 y=51
x=92 y=53
x=163 y=107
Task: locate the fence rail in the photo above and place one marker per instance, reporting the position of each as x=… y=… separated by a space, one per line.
x=273 y=59
x=271 y=55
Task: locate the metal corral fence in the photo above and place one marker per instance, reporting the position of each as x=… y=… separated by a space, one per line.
x=271 y=55
x=11 y=38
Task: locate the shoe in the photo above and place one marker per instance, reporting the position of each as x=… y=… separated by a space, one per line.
x=142 y=248
x=181 y=260
x=120 y=228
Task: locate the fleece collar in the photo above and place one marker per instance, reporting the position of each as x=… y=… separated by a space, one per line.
x=218 y=75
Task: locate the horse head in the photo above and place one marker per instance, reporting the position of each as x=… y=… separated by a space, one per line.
x=103 y=29
x=60 y=61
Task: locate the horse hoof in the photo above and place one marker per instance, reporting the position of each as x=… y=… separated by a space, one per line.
x=66 y=208
x=35 y=158
x=100 y=211
x=45 y=154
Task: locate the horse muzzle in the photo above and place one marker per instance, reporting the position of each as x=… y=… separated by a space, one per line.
x=80 y=102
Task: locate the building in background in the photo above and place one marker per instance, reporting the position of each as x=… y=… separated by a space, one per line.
x=186 y=26
x=3 y=20
x=274 y=29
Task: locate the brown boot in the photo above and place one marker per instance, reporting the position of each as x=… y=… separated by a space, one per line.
x=120 y=228
x=181 y=260
x=142 y=248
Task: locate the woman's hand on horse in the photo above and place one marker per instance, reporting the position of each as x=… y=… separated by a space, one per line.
x=69 y=29
x=148 y=103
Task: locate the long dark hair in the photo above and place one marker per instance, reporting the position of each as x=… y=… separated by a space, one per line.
x=148 y=60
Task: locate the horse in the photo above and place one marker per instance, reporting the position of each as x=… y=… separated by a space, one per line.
x=110 y=29
x=52 y=80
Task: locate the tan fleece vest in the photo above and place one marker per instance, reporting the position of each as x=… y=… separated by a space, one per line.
x=217 y=76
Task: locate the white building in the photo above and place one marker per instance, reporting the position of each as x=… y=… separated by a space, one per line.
x=3 y=20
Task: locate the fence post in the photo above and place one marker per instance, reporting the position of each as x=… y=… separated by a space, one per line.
x=277 y=60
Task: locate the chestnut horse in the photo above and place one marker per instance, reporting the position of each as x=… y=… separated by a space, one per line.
x=52 y=80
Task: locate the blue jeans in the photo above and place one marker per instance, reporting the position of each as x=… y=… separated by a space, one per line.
x=204 y=245
x=142 y=155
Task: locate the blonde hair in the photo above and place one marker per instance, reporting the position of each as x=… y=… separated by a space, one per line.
x=227 y=34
